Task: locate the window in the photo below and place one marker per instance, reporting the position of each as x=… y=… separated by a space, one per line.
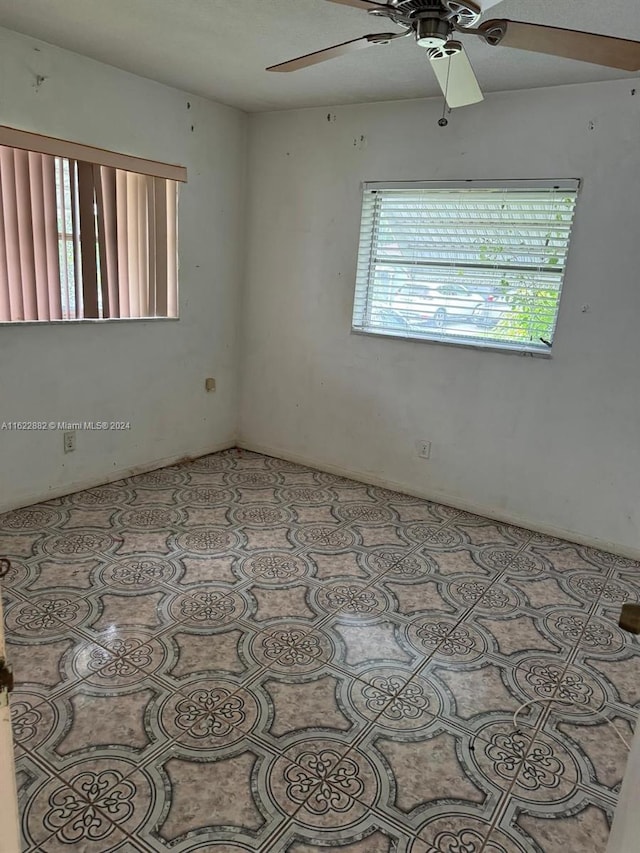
x=85 y=233
x=465 y=263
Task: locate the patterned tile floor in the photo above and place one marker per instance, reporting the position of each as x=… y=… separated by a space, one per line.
x=242 y=654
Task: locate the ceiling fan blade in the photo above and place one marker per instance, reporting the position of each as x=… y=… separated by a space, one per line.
x=572 y=44
x=333 y=52
x=367 y=5
x=457 y=80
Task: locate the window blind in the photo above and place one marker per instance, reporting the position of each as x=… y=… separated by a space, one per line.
x=29 y=268
x=464 y=262
x=82 y=239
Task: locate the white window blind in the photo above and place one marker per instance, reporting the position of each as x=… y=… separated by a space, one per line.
x=464 y=262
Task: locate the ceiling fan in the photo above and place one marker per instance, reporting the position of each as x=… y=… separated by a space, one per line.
x=434 y=22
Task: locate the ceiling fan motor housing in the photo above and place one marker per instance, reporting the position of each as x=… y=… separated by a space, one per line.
x=432 y=32
x=466 y=13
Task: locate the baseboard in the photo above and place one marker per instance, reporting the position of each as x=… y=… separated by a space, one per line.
x=113 y=476
x=449 y=500
x=352 y=473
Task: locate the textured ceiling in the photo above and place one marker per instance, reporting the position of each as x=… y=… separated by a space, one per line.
x=219 y=48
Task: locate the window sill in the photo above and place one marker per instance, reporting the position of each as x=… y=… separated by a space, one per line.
x=88 y=322
x=451 y=342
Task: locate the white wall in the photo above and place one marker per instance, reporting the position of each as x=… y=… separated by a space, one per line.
x=151 y=374
x=550 y=443
x=553 y=444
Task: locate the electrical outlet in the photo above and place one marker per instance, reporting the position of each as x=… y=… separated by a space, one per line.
x=210 y=384
x=69 y=441
x=424 y=449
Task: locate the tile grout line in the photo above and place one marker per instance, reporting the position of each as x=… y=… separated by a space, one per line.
x=44 y=764
x=537 y=729
x=160 y=749
x=325 y=619
x=164 y=629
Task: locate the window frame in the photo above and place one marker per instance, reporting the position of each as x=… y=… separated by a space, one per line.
x=573 y=185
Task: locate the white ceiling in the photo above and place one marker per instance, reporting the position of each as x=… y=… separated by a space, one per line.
x=219 y=48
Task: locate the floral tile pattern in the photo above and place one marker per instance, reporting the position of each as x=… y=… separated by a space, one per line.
x=242 y=654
